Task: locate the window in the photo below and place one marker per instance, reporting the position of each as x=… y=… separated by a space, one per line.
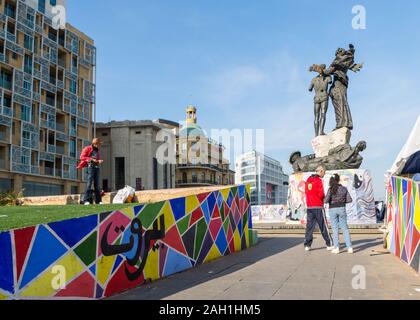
x=105 y=186
x=27 y=85
x=41 y=6
x=155 y=174
x=6 y=80
x=194 y=177
x=28 y=64
x=26 y=135
x=73 y=148
x=139 y=185
x=73 y=86
x=25 y=113
x=119 y=173
x=30 y=18
x=28 y=42
x=184 y=147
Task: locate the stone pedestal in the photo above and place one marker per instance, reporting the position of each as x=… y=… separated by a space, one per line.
x=358 y=182
x=323 y=144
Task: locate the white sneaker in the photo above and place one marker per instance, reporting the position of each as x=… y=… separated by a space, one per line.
x=330 y=248
x=87 y=204
x=350 y=250
x=307 y=248
x=335 y=251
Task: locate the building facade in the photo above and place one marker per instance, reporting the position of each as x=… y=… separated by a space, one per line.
x=269 y=184
x=200 y=161
x=47 y=99
x=135 y=153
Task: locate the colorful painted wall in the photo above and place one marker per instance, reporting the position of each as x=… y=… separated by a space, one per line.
x=269 y=214
x=102 y=255
x=359 y=184
x=403 y=219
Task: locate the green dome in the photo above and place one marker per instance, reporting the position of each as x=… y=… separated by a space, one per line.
x=191 y=131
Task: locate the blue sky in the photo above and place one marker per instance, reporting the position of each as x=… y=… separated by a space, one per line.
x=244 y=64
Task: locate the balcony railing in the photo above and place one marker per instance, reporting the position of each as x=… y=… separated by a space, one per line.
x=3 y=136
x=26 y=143
x=197 y=181
x=34 y=169
x=48 y=171
x=58 y=173
x=10 y=12
x=73 y=132
x=60 y=150
x=2 y=164
x=6 y=84
x=60 y=127
x=204 y=166
x=51 y=148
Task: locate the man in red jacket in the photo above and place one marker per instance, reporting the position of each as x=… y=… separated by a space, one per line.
x=314 y=190
x=91 y=159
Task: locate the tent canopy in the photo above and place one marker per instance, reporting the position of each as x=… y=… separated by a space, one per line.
x=408 y=161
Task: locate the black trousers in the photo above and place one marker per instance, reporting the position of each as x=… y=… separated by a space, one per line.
x=316 y=216
x=92 y=181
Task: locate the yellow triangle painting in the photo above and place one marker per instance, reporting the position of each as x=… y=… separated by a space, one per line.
x=3 y=297
x=69 y=267
x=151 y=269
x=417 y=208
x=169 y=216
x=192 y=203
x=237 y=240
x=225 y=193
x=104 y=268
x=213 y=254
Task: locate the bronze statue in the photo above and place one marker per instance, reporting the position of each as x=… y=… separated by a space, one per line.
x=320 y=83
x=343 y=62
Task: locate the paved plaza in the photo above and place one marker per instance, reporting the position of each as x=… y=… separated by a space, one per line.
x=278 y=268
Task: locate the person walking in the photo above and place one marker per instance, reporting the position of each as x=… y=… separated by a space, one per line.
x=314 y=191
x=91 y=159
x=337 y=198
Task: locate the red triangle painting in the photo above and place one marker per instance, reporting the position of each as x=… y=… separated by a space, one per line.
x=23 y=239
x=120 y=283
x=215 y=225
x=82 y=286
x=196 y=215
x=414 y=242
x=202 y=197
x=216 y=212
x=173 y=240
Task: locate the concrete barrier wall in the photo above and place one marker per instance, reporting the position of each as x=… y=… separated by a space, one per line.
x=358 y=182
x=404 y=220
x=101 y=255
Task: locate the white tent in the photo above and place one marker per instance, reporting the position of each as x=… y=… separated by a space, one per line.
x=411 y=147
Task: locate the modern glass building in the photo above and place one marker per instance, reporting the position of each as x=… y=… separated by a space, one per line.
x=47 y=99
x=269 y=184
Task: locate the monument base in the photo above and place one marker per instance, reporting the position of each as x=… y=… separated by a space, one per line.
x=359 y=182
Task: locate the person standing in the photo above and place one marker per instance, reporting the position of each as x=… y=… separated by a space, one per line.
x=90 y=158
x=314 y=191
x=337 y=198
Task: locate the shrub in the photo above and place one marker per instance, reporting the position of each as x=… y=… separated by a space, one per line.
x=11 y=198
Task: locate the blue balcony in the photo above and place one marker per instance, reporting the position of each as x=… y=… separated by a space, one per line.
x=51 y=148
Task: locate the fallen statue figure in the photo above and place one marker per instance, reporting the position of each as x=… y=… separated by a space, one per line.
x=339 y=158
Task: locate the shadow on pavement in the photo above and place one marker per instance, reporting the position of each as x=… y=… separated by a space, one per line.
x=267 y=246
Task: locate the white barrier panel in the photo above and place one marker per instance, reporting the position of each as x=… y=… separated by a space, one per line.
x=269 y=214
x=359 y=183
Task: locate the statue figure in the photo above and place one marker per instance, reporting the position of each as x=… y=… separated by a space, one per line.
x=320 y=83
x=344 y=61
x=339 y=158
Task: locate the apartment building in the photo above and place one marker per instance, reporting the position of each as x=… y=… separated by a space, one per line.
x=269 y=184
x=47 y=99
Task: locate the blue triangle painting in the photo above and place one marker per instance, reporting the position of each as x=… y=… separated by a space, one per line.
x=117 y=263
x=46 y=249
x=178 y=208
x=211 y=201
x=175 y=262
x=221 y=241
x=6 y=263
x=99 y=291
x=73 y=231
x=206 y=211
x=93 y=269
x=241 y=191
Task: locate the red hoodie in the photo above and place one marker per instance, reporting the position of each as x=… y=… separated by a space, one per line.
x=314 y=190
x=85 y=157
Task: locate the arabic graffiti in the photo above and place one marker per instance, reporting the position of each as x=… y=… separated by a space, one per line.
x=137 y=249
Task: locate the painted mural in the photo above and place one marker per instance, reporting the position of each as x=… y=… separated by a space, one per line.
x=403 y=219
x=269 y=213
x=359 y=184
x=102 y=255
